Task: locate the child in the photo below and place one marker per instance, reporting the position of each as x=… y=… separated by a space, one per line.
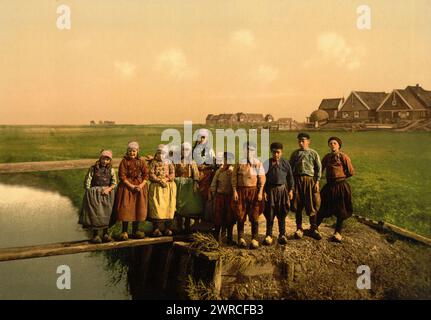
x=221 y=192
x=306 y=167
x=189 y=202
x=99 y=196
x=336 y=194
x=131 y=198
x=204 y=156
x=162 y=192
x=248 y=180
x=278 y=193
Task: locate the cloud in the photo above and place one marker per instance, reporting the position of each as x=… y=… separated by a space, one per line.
x=125 y=68
x=333 y=48
x=265 y=74
x=174 y=63
x=242 y=38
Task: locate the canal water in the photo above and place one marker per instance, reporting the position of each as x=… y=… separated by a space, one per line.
x=30 y=216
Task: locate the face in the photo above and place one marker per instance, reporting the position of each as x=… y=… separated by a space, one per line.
x=202 y=139
x=132 y=153
x=334 y=145
x=276 y=154
x=251 y=153
x=304 y=143
x=185 y=151
x=104 y=161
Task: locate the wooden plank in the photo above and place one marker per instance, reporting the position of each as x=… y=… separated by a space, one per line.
x=388 y=227
x=63 y=248
x=16 y=167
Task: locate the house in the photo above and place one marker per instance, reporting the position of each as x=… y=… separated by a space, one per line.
x=361 y=106
x=404 y=104
x=227 y=119
x=331 y=106
x=422 y=95
x=286 y=124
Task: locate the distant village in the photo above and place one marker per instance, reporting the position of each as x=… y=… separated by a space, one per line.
x=401 y=109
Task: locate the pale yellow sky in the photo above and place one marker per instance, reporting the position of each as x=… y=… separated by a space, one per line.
x=167 y=61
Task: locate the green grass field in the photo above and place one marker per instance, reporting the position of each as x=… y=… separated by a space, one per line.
x=392 y=183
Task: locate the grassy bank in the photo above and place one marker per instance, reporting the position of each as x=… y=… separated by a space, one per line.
x=392 y=181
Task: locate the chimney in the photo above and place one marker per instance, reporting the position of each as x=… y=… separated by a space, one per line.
x=417 y=85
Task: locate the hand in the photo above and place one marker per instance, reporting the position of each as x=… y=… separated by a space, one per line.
x=259 y=196
x=137 y=189
x=163 y=183
x=106 y=190
x=235 y=196
x=195 y=186
x=316 y=186
x=290 y=195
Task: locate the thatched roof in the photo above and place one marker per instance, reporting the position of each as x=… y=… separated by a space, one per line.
x=421 y=94
x=371 y=100
x=330 y=104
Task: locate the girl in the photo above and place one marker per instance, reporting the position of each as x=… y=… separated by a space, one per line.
x=189 y=201
x=221 y=191
x=336 y=194
x=204 y=156
x=99 y=196
x=248 y=180
x=131 y=198
x=162 y=192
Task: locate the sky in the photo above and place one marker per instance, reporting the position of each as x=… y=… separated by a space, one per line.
x=167 y=61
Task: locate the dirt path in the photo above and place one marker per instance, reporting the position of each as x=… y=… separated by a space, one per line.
x=310 y=269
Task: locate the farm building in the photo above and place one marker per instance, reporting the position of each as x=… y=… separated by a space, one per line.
x=405 y=104
x=361 y=106
x=331 y=106
x=238 y=118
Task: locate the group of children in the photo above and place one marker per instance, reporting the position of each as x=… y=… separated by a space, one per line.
x=196 y=186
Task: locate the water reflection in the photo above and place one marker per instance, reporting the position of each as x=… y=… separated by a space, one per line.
x=30 y=216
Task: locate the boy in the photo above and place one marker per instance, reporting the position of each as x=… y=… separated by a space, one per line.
x=336 y=194
x=307 y=170
x=221 y=192
x=248 y=180
x=278 y=192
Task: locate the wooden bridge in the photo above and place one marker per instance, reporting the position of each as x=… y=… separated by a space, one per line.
x=63 y=248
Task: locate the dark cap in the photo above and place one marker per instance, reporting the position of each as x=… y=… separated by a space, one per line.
x=303 y=135
x=336 y=139
x=276 y=145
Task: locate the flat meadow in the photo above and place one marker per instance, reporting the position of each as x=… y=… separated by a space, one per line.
x=392 y=181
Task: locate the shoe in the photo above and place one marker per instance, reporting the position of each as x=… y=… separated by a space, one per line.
x=254 y=244
x=282 y=239
x=298 y=234
x=139 y=235
x=242 y=243
x=96 y=240
x=167 y=233
x=157 y=233
x=124 y=236
x=267 y=241
x=315 y=234
x=337 y=237
x=107 y=238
